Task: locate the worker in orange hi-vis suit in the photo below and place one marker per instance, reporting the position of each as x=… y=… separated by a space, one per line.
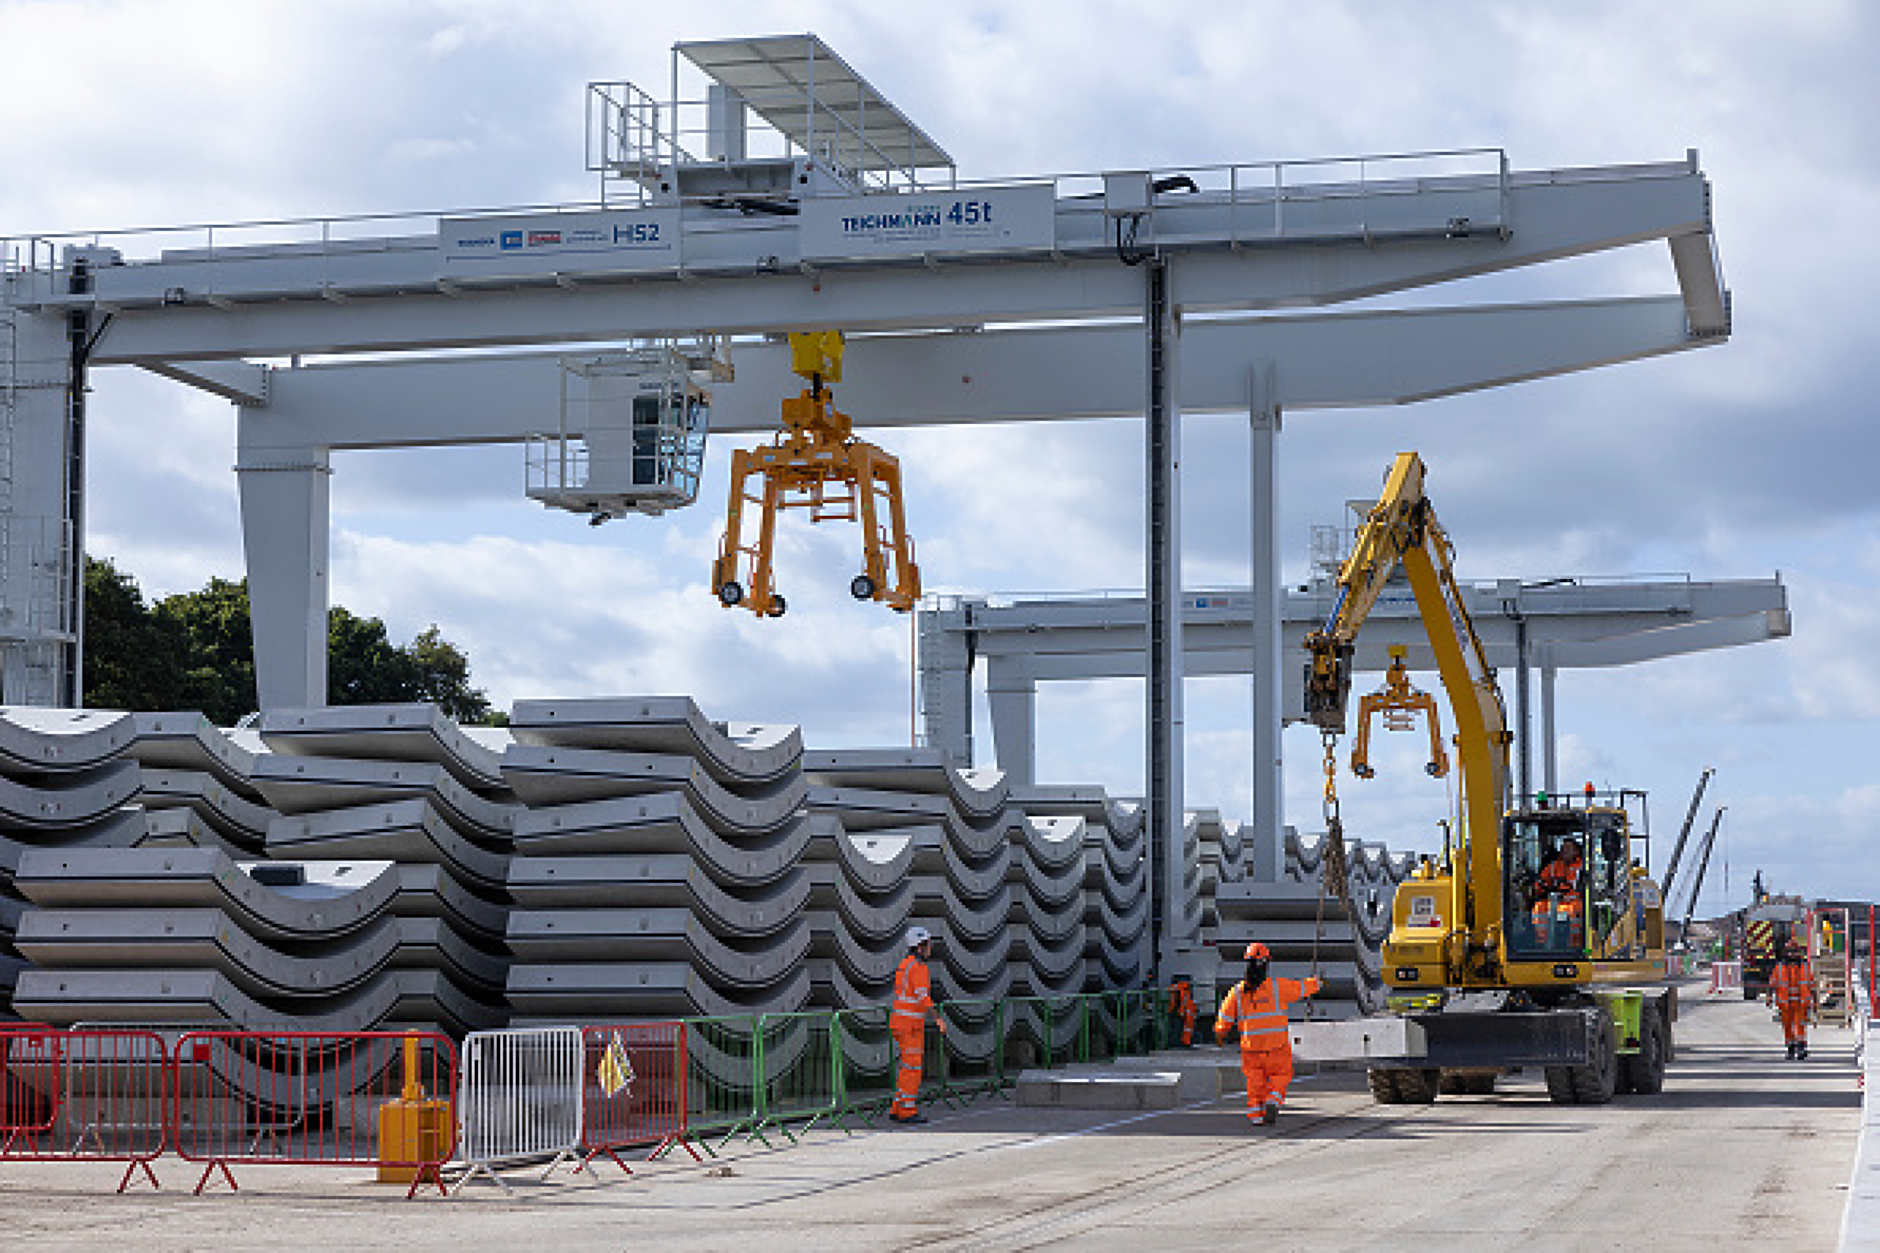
x=1257 y=1008
x=1792 y=992
x=1181 y=1004
x=907 y=1021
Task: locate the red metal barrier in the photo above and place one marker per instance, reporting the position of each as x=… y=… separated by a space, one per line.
x=374 y=1098
x=85 y=1096
x=633 y=1089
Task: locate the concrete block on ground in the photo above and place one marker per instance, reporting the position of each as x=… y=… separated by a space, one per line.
x=1359 y=1040
x=1105 y=1088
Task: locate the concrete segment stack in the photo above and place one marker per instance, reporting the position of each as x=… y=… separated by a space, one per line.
x=362 y=867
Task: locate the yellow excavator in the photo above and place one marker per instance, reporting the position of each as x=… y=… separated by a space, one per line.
x=819 y=464
x=1537 y=940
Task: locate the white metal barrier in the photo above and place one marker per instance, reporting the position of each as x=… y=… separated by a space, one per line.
x=519 y=1101
x=1725 y=977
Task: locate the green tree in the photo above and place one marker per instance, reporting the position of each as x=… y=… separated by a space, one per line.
x=195 y=650
x=131 y=657
x=218 y=659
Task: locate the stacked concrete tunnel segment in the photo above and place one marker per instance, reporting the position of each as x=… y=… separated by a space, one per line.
x=1045 y=315
x=356 y=868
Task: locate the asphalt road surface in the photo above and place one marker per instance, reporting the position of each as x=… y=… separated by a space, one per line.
x=1742 y=1148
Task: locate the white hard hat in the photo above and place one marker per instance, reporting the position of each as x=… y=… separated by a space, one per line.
x=917 y=936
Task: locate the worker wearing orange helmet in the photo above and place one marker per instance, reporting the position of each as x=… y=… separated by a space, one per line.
x=1181 y=1004
x=1792 y=992
x=1557 y=894
x=907 y=1022
x=1256 y=1007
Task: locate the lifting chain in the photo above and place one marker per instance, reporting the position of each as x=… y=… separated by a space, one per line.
x=1333 y=879
x=1332 y=873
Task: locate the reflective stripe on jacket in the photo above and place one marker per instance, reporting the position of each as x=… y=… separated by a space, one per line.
x=1260 y=1015
x=1790 y=984
x=912 y=992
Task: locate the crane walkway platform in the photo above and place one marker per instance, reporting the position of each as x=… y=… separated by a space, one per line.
x=1741 y=1148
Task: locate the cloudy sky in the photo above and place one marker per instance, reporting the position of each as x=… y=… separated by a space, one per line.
x=1731 y=462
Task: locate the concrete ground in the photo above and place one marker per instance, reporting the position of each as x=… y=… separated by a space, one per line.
x=1741 y=1147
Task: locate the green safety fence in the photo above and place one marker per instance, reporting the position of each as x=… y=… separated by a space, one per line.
x=801 y=1077
x=789 y=1072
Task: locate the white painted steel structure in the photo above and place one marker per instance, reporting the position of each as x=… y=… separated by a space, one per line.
x=1546 y=625
x=1042 y=270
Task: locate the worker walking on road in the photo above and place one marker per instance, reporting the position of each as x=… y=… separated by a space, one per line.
x=1792 y=992
x=907 y=1021
x=1256 y=1007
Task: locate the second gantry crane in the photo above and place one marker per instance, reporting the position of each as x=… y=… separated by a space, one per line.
x=819 y=464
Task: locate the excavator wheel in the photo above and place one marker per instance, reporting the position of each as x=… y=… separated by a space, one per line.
x=1643 y=1072
x=1595 y=1082
x=1418 y=1087
x=777 y=605
x=730 y=592
x=1560 y=1085
x=1383 y=1085
x=861 y=587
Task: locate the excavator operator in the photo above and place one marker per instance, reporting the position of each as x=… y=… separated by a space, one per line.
x=1557 y=904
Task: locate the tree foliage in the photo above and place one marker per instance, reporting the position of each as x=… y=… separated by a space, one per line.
x=195 y=650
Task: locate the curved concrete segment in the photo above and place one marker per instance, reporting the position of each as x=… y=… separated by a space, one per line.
x=604 y=992
x=67 y=799
x=240 y=821
x=736 y=754
x=34 y=740
x=399 y=733
x=311 y=785
x=196 y=997
x=545 y=777
x=663 y=823
x=980 y=793
x=655 y=880
x=189 y=741
x=403 y=831
x=331 y=902
x=654 y=936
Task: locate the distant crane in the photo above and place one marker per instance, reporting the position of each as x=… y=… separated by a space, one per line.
x=1684 y=832
x=1703 y=864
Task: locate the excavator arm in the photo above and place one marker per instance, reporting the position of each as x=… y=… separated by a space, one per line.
x=1402 y=530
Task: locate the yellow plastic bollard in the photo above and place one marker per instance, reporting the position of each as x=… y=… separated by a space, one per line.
x=413 y=1128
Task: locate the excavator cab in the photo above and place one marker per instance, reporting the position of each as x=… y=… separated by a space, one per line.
x=1575 y=888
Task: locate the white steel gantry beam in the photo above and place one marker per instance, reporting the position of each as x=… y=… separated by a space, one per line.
x=1578 y=623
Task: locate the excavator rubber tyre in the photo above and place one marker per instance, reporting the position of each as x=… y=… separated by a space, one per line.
x=1417 y=1087
x=1560 y=1085
x=1383 y=1085
x=730 y=593
x=1596 y=1081
x=861 y=587
x=1643 y=1072
x=777 y=606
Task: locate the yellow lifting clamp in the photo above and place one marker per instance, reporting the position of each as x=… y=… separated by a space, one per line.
x=1399 y=703
x=818 y=464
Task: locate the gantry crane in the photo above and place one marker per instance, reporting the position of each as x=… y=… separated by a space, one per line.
x=817 y=463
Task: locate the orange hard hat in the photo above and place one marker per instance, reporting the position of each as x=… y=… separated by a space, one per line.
x=1257 y=952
